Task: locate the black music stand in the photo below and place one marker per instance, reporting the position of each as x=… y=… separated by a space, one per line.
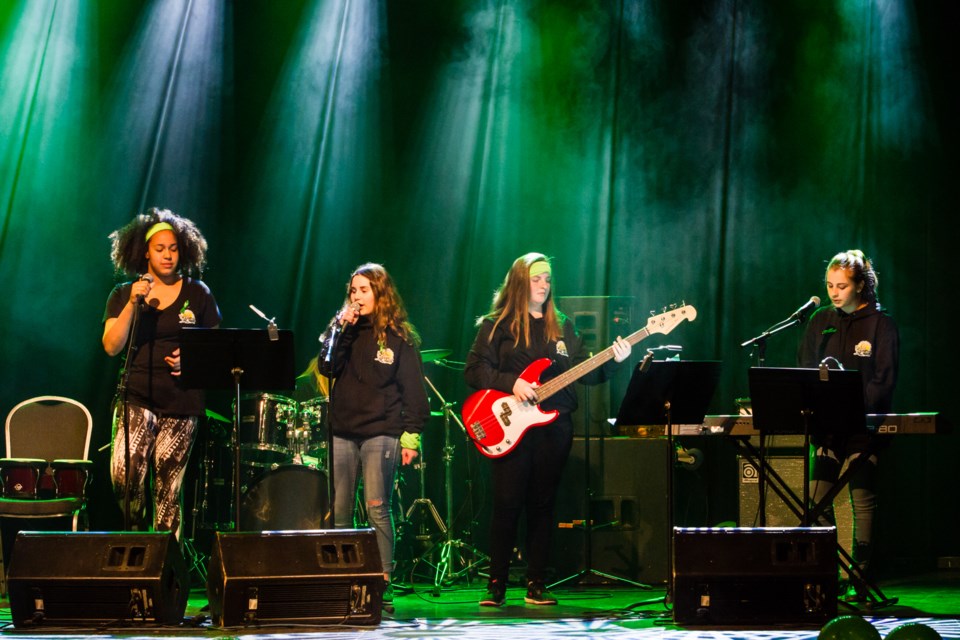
x=236 y=359
x=669 y=392
x=804 y=402
x=812 y=402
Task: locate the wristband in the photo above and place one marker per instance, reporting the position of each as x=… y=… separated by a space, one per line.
x=410 y=441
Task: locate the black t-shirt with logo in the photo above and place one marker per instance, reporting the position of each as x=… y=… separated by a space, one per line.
x=150 y=383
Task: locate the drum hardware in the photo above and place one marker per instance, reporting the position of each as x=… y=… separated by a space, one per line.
x=288 y=497
x=277 y=433
x=266 y=425
x=457 y=559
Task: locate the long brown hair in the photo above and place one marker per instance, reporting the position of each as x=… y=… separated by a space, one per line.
x=388 y=311
x=512 y=300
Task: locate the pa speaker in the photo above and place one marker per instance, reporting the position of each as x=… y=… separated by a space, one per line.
x=78 y=577
x=755 y=576
x=296 y=577
x=622 y=490
x=598 y=320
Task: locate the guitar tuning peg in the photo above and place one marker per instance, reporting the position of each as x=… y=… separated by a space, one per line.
x=673 y=306
x=653 y=312
x=664 y=310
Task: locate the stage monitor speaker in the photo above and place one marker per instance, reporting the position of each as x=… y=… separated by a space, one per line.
x=324 y=576
x=598 y=320
x=82 y=577
x=755 y=575
x=778 y=514
x=627 y=504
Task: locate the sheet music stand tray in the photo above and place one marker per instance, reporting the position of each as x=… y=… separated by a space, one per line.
x=236 y=359
x=812 y=402
x=669 y=392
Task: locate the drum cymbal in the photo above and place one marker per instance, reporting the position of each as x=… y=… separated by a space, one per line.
x=432 y=355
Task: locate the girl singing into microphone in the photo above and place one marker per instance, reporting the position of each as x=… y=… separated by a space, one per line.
x=378 y=405
x=160 y=416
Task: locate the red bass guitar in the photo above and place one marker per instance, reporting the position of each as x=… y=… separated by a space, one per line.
x=497 y=421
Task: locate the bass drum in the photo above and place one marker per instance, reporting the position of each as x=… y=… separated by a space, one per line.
x=289 y=497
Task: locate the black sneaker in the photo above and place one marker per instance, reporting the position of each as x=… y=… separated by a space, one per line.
x=539 y=594
x=388 y=593
x=496 y=594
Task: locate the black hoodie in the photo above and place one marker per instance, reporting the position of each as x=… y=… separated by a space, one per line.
x=866 y=340
x=376 y=391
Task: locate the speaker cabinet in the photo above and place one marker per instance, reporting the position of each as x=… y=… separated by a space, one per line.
x=296 y=577
x=778 y=514
x=79 y=577
x=755 y=576
x=598 y=320
x=627 y=505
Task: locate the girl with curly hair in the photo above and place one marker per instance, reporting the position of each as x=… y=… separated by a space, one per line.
x=378 y=405
x=157 y=424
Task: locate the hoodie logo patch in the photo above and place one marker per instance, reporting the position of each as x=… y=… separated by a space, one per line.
x=384 y=355
x=863 y=349
x=562 y=348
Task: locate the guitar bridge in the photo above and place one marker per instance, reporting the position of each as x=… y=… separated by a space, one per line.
x=478 y=432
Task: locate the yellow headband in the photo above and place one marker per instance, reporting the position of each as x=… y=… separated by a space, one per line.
x=538 y=267
x=160 y=226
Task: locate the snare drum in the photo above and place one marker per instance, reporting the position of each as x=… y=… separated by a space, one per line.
x=71 y=477
x=289 y=497
x=266 y=424
x=310 y=437
x=21 y=477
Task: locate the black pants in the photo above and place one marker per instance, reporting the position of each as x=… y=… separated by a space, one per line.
x=527 y=479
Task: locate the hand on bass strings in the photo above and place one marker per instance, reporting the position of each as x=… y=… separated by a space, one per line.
x=524 y=391
x=621 y=349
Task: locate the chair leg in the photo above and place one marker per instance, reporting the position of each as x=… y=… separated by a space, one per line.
x=3 y=572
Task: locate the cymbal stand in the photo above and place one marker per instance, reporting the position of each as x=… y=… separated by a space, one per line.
x=454 y=563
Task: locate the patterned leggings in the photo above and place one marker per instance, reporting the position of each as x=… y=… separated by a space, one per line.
x=163 y=444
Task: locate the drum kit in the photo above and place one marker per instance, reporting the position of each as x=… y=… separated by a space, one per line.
x=283 y=477
x=283 y=462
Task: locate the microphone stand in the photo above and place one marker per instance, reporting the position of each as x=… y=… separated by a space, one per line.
x=760 y=342
x=123 y=393
x=335 y=330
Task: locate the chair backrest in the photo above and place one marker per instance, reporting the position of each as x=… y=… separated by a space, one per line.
x=49 y=427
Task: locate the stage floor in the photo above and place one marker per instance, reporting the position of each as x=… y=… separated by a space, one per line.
x=584 y=610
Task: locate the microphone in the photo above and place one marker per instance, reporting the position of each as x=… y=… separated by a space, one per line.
x=147 y=277
x=271 y=325
x=801 y=314
x=354 y=306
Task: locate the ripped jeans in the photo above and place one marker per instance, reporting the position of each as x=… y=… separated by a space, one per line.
x=378 y=457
